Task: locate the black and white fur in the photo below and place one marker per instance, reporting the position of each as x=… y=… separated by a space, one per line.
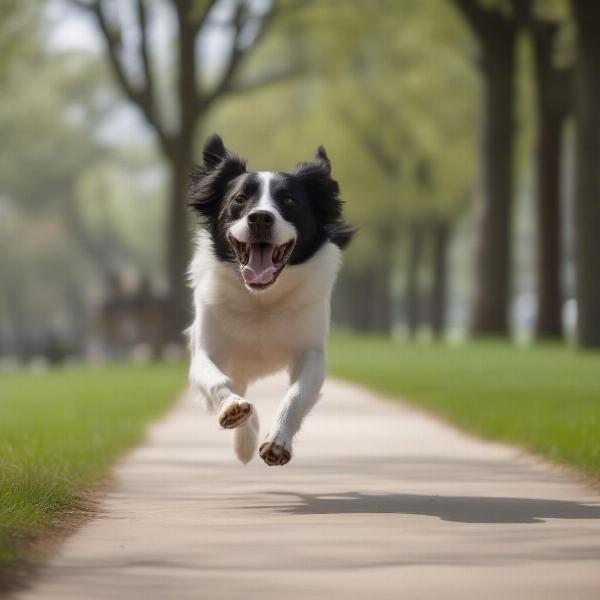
x=266 y=257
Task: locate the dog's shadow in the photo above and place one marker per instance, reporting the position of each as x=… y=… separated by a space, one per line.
x=460 y=509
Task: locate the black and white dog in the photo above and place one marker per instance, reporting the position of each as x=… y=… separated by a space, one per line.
x=267 y=255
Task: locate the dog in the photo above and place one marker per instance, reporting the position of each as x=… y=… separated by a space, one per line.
x=266 y=257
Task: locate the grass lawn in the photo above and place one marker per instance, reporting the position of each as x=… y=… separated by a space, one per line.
x=543 y=398
x=59 y=432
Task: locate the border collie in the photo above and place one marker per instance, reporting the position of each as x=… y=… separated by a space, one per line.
x=266 y=257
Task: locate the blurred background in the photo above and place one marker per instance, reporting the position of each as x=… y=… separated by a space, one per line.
x=465 y=135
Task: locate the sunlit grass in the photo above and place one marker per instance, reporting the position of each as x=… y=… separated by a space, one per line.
x=60 y=431
x=543 y=398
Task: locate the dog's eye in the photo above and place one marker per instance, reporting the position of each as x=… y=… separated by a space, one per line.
x=289 y=201
x=240 y=199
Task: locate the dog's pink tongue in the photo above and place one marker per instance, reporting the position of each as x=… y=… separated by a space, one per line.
x=260 y=268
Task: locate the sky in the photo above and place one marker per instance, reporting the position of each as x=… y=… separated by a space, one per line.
x=71 y=29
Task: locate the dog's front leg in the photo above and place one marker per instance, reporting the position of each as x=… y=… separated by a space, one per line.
x=219 y=391
x=307 y=377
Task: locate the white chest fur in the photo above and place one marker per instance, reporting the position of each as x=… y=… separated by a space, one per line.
x=251 y=334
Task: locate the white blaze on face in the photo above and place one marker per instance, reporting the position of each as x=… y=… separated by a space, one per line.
x=265 y=201
x=283 y=231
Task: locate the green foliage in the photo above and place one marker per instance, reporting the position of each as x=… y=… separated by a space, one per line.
x=543 y=398
x=19 y=19
x=60 y=431
x=70 y=202
x=34 y=123
x=43 y=156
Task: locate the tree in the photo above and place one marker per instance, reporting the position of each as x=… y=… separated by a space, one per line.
x=494 y=28
x=412 y=295
x=402 y=79
x=376 y=310
x=553 y=100
x=554 y=87
x=587 y=172
x=245 y=26
x=39 y=277
x=18 y=31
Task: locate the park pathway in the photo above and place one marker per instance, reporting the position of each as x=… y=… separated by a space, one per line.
x=379 y=502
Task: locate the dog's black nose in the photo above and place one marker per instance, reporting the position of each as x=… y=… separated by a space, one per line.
x=261 y=221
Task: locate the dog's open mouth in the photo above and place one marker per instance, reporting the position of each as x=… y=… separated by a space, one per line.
x=260 y=262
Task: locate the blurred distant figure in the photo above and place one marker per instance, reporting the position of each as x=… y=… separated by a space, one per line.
x=117 y=330
x=133 y=322
x=150 y=312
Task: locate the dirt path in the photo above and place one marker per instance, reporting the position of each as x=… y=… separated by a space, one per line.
x=379 y=502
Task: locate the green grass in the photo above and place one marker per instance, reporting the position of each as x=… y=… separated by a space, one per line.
x=59 y=432
x=543 y=398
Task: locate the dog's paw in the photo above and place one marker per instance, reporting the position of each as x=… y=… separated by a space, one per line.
x=275 y=454
x=234 y=413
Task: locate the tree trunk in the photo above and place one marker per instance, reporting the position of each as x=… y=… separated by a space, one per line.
x=587 y=173
x=178 y=244
x=554 y=95
x=549 y=315
x=360 y=297
x=412 y=298
x=492 y=259
x=381 y=306
x=351 y=300
x=439 y=295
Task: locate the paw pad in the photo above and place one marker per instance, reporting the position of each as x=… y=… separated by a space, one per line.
x=234 y=414
x=274 y=454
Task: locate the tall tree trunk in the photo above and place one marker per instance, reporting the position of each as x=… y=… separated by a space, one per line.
x=549 y=315
x=492 y=259
x=178 y=243
x=439 y=295
x=361 y=299
x=412 y=295
x=181 y=158
x=554 y=93
x=587 y=174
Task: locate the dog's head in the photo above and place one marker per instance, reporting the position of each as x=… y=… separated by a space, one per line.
x=263 y=221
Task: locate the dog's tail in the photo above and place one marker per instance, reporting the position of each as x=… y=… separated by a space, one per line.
x=245 y=438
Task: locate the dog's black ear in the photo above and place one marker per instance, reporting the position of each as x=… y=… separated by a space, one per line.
x=322 y=157
x=213 y=152
x=323 y=192
x=208 y=181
